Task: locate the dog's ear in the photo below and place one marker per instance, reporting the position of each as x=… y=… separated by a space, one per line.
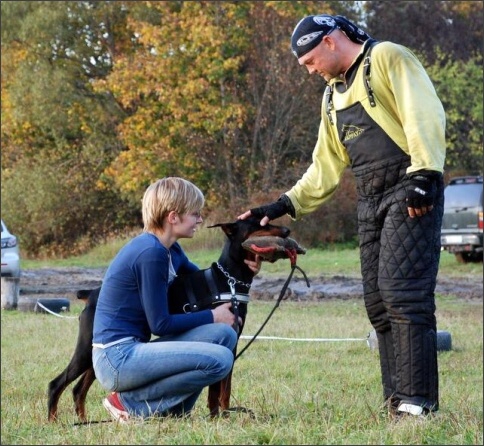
x=229 y=228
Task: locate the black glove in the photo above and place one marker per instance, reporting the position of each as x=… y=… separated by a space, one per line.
x=421 y=189
x=276 y=209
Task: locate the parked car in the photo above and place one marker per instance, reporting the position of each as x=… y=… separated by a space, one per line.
x=10 y=254
x=462 y=225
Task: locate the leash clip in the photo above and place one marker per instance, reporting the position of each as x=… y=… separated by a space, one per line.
x=231 y=283
x=235 y=304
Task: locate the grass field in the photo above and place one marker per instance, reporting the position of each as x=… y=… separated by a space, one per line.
x=300 y=392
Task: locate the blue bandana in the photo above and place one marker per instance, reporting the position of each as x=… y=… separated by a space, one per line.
x=310 y=30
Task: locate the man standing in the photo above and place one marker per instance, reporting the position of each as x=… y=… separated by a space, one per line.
x=381 y=116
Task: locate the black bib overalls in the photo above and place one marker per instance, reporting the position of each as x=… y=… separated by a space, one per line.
x=399 y=260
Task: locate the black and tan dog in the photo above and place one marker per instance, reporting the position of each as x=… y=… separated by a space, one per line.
x=229 y=279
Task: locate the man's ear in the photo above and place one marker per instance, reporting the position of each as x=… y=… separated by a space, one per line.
x=329 y=41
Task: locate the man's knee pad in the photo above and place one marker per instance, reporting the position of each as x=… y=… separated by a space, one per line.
x=416 y=364
x=376 y=311
x=387 y=363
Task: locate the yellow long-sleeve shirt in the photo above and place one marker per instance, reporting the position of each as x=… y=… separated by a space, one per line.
x=407 y=109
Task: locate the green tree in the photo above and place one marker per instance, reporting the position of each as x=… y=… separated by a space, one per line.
x=101 y=98
x=214 y=94
x=460 y=87
x=57 y=134
x=179 y=90
x=454 y=28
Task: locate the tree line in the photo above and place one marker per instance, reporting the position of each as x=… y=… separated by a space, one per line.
x=99 y=99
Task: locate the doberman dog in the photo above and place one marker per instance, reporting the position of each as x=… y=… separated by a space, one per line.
x=229 y=279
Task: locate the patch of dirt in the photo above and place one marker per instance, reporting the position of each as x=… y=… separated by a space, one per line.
x=58 y=282
x=64 y=282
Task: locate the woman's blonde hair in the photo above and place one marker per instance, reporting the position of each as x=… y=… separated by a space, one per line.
x=166 y=195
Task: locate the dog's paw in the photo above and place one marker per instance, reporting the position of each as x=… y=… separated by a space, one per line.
x=271 y=248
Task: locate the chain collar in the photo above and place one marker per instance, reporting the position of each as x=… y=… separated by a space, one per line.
x=232 y=280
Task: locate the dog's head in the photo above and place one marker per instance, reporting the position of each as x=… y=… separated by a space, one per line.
x=241 y=230
x=270 y=242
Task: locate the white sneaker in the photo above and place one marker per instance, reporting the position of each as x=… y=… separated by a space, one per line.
x=412 y=409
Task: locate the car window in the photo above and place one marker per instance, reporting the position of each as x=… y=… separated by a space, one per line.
x=463 y=195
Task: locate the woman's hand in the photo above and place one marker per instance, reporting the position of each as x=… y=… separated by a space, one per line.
x=223 y=314
x=254 y=265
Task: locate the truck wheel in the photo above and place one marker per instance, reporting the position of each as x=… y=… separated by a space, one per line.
x=466 y=257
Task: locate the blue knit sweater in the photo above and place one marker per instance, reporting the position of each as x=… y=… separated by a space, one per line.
x=133 y=299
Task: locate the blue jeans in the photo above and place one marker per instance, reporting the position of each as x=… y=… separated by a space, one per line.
x=166 y=375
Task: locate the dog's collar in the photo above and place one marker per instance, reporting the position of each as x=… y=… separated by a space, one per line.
x=227 y=297
x=233 y=279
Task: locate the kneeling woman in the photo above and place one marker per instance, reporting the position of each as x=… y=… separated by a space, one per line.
x=153 y=362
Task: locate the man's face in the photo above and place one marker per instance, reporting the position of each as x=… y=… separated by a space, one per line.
x=321 y=60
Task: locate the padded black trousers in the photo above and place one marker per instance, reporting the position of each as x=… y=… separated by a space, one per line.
x=399 y=264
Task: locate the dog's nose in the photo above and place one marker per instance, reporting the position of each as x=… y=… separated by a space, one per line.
x=285 y=232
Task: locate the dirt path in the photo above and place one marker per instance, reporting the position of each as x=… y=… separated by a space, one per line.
x=64 y=282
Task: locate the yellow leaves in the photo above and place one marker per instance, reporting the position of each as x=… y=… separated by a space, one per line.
x=26 y=126
x=129 y=170
x=177 y=88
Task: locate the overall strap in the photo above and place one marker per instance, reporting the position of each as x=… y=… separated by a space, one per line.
x=328 y=92
x=328 y=102
x=367 y=72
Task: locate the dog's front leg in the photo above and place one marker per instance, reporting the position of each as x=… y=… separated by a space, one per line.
x=213 y=399
x=225 y=392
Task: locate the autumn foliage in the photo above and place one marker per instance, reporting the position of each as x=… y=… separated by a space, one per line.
x=99 y=99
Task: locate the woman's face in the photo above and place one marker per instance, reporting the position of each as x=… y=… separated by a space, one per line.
x=187 y=224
